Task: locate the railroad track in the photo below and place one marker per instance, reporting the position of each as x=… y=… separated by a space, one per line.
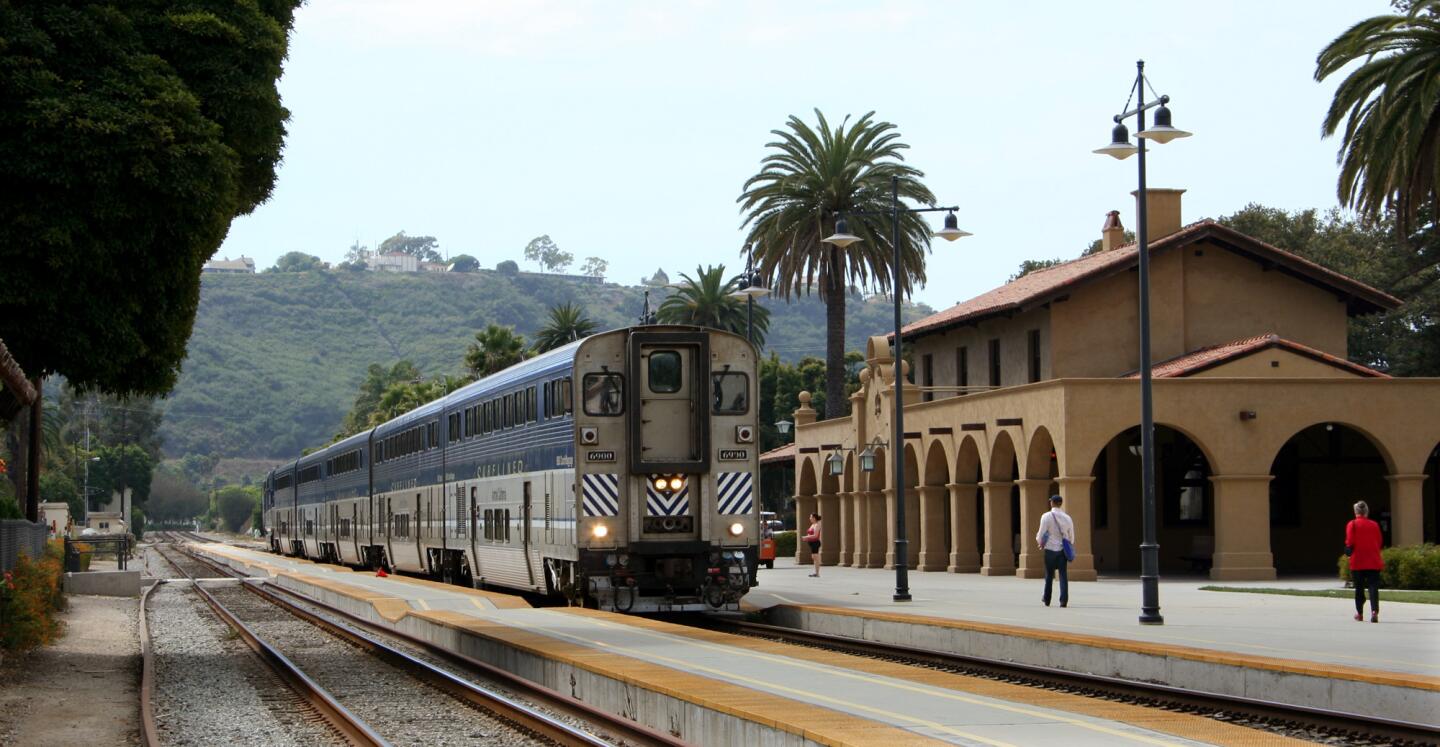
x=257 y=604
x=1296 y=721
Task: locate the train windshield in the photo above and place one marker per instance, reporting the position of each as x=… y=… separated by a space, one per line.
x=604 y=394
x=731 y=392
x=665 y=375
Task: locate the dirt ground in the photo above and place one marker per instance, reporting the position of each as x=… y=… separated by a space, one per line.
x=82 y=690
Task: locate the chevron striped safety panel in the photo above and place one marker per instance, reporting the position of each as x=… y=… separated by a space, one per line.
x=600 y=494
x=735 y=492
x=656 y=504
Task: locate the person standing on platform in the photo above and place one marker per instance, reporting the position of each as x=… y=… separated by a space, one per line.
x=1057 y=538
x=1362 y=544
x=812 y=538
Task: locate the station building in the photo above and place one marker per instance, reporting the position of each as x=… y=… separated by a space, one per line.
x=1265 y=433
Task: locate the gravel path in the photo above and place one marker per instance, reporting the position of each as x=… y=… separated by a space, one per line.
x=210 y=688
x=399 y=707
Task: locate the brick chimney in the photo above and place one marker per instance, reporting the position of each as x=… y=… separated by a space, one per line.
x=1112 y=234
x=1162 y=211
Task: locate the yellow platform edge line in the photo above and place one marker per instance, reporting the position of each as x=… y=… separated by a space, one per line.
x=1230 y=658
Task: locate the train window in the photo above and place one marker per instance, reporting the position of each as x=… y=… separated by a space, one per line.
x=434 y=437
x=344 y=528
x=532 y=408
x=732 y=393
x=604 y=394
x=664 y=371
x=505 y=411
x=566 y=400
x=469 y=424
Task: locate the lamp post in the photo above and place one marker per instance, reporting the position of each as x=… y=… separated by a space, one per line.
x=1120 y=148
x=843 y=238
x=754 y=288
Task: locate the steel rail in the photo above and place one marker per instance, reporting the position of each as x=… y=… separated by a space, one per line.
x=1094 y=684
x=622 y=729
x=350 y=726
x=149 y=731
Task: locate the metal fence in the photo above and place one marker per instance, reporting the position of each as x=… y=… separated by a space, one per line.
x=19 y=536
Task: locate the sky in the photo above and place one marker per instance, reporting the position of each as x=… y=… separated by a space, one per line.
x=625 y=130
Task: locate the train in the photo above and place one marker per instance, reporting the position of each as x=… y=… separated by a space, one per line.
x=619 y=471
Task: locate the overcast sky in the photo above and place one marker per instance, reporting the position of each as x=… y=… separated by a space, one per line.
x=624 y=130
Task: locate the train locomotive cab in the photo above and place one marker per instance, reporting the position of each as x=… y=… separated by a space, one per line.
x=666 y=463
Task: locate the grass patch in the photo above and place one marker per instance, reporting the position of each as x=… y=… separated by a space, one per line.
x=1386 y=595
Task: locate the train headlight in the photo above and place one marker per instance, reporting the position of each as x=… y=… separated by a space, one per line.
x=600 y=531
x=737 y=529
x=624 y=560
x=659 y=483
x=677 y=482
x=610 y=561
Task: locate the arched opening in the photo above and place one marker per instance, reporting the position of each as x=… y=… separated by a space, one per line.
x=1184 y=502
x=877 y=523
x=967 y=507
x=804 y=504
x=935 y=538
x=1319 y=474
x=1431 y=496
x=849 y=517
x=1041 y=469
x=911 y=496
x=1002 y=509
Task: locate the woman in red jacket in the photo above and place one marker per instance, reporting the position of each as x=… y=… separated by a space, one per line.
x=1362 y=544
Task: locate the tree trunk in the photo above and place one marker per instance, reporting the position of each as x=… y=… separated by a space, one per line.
x=836 y=404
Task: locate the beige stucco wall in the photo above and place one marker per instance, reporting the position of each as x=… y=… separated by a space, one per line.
x=1275 y=362
x=1013 y=334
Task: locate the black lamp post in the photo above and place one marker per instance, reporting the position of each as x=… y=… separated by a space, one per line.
x=1121 y=148
x=754 y=288
x=843 y=238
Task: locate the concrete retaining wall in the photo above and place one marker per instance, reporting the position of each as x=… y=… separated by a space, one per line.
x=1315 y=689
x=104 y=583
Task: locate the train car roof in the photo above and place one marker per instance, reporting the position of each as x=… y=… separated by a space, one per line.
x=350 y=442
x=520 y=371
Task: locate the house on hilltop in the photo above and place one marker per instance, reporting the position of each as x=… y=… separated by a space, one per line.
x=392 y=262
x=1265 y=432
x=242 y=264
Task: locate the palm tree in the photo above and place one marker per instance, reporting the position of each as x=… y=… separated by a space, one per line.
x=495 y=349
x=809 y=178
x=1390 y=150
x=706 y=300
x=567 y=324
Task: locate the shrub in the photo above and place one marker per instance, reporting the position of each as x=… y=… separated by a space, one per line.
x=785 y=544
x=29 y=598
x=1410 y=567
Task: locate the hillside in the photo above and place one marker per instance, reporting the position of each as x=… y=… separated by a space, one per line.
x=275 y=358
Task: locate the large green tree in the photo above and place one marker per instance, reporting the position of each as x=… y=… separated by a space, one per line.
x=131 y=134
x=545 y=253
x=378 y=380
x=810 y=177
x=706 y=301
x=495 y=348
x=1389 y=105
x=118 y=468
x=297 y=262
x=567 y=324
x=423 y=248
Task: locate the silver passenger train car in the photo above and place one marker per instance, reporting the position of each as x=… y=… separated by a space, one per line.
x=620 y=471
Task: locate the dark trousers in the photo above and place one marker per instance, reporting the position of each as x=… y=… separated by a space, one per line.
x=1055 y=561
x=1366 y=580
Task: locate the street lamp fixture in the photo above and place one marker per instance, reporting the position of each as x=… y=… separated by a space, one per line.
x=843 y=238
x=835 y=464
x=783 y=427
x=1162 y=132
x=867 y=459
x=754 y=288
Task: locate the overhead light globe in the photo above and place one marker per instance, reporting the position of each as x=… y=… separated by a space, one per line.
x=1161 y=132
x=1120 y=147
x=952 y=230
x=842 y=236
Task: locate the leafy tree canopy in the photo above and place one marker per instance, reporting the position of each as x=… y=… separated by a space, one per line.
x=464 y=263
x=567 y=324
x=174 y=497
x=706 y=301
x=131 y=134
x=544 y=252
x=1031 y=265
x=423 y=248
x=235 y=504
x=297 y=262
x=120 y=467
x=508 y=267
x=495 y=348
x=595 y=267
x=378 y=380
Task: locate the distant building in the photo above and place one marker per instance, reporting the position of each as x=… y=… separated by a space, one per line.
x=243 y=264
x=434 y=267
x=393 y=262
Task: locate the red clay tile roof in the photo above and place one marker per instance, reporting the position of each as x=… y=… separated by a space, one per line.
x=1045 y=285
x=1199 y=360
x=784 y=453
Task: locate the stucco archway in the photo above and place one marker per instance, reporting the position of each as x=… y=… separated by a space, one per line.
x=1318 y=474
x=805 y=486
x=1041 y=469
x=1184 y=503
x=935 y=538
x=877 y=536
x=967 y=509
x=1002 y=508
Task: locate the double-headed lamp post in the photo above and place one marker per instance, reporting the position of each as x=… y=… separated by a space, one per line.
x=1121 y=148
x=843 y=238
x=754 y=288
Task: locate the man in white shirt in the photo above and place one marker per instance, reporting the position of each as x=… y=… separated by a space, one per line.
x=1056 y=528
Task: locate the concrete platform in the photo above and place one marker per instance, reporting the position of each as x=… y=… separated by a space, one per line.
x=1301 y=650
x=716 y=689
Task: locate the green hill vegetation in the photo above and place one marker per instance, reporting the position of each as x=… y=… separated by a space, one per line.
x=276 y=358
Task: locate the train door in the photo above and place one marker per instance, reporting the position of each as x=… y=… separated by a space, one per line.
x=474 y=527
x=550 y=508
x=669 y=431
x=355 y=528
x=389 y=519
x=525 y=513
